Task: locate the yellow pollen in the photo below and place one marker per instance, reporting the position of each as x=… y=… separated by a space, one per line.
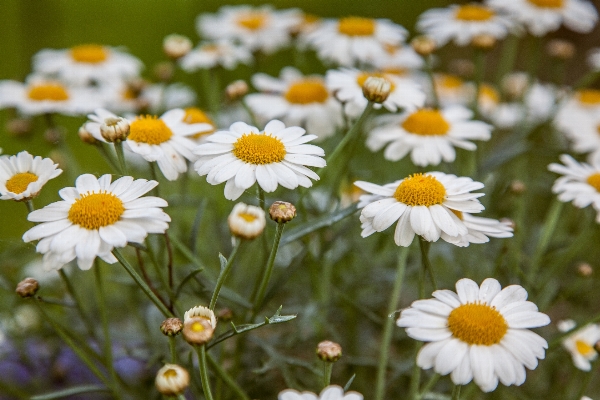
x=594 y=181
x=584 y=348
x=307 y=91
x=18 y=183
x=363 y=76
x=476 y=323
x=252 y=20
x=473 y=12
x=197 y=327
x=589 y=96
x=547 y=3
x=149 y=129
x=247 y=217
x=95 y=210
x=396 y=71
x=459 y=214
x=89 y=53
x=356 y=26
x=128 y=94
x=449 y=81
x=259 y=149
x=487 y=92
x=426 y=122
x=194 y=115
x=48 y=91
x=420 y=190
x=170 y=373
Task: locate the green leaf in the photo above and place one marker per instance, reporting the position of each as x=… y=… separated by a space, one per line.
x=223 y=261
x=349 y=383
x=186 y=280
x=316 y=224
x=71 y=391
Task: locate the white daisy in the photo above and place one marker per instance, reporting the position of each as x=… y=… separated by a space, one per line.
x=429 y=135
x=461 y=23
x=258 y=28
x=594 y=59
x=478 y=230
x=244 y=155
x=423 y=204
x=23 y=176
x=222 y=52
x=543 y=16
x=297 y=100
x=347 y=85
x=332 y=392
x=201 y=312
x=87 y=64
x=355 y=41
x=94 y=217
x=194 y=115
x=452 y=90
x=160 y=97
x=478 y=333
x=577 y=118
x=398 y=59
x=580 y=183
x=581 y=343
x=246 y=222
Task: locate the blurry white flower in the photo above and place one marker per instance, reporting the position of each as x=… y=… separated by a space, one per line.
x=398 y=58
x=594 y=59
x=172 y=380
x=223 y=52
x=159 y=97
x=332 y=392
x=23 y=176
x=581 y=343
x=176 y=46
x=452 y=90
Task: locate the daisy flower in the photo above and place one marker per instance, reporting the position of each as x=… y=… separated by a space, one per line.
x=201 y=312
x=354 y=41
x=94 y=217
x=581 y=343
x=451 y=90
x=222 y=52
x=478 y=230
x=159 y=96
x=429 y=135
x=246 y=222
x=593 y=59
x=398 y=59
x=258 y=28
x=461 y=23
x=296 y=100
x=543 y=16
x=332 y=392
x=87 y=64
x=244 y=155
x=479 y=333
x=580 y=183
x=23 y=176
x=577 y=118
x=347 y=85
x=423 y=204
x=194 y=115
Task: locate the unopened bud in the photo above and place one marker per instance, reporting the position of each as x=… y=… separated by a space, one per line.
x=172 y=380
x=86 y=136
x=329 y=351
x=171 y=326
x=197 y=330
x=483 y=42
x=423 y=45
x=246 y=222
x=376 y=89
x=462 y=67
x=282 y=211
x=164 y=71
x=176 y=46
x=54 y=135
x=114 y=129
x=561 y=49
x=225 y=314
x=585 y=269
x=19 y=126
x=517 y=187
x=28 y=287
x=515 y=84
x=236 y=90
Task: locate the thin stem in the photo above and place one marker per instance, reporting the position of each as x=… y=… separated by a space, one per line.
x=30 y=207
x=268 y=271
x=173 y=349
x=415 y=378
x=223 y=275
x=456 y=392
x=227 y=379
x=429 y=70
x=327 y=370
x=146 y=277
x=389 y=325
x=509 y=55
x=201 y=350
x=548 y=229
x=86 y=321
x=261 y=197
x=424 y=245
x=121 y=157
x=138 y=279
x=170 y=261
x=479 y=72
x=429 y=385
x=154 y=177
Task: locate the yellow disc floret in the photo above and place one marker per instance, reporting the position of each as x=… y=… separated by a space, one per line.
x=356 y=26
x=89 y=53
x=248 y=217
x=194 y=115
x=363 y=76
x=307 y=91
x=420 y=190
x=18 y=183
x=473 y=12
x=488 y=93
x=585 y=349
x=149 y=129
x=547 y=3
x=589 y=96
x=259 y=149
x=594 y=181
x=426 y=122
x=95 y=210
x=477 y=324
x=252 y=20
x=446 y=81
x=48 y=91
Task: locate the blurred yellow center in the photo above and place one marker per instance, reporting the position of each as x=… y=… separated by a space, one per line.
x=426 y=122
x=18 y=183
x=128 y=94
x=95 y=210
x=396 y=71
x=259 y=149
x=487 y=92
x=477 y=324
x=252 y=20
x=473 y=12
x=307 y=91
x=170 y=373
x=583 y=348
x=247 y=217
x=48 y=91
x=363 y=76
x=594 y=181
x=589 y=96
x=356 y=26
x=449 y=81
x=149 y=129
x=420 y=190
x=89 y=53
x=198 y=327
x=459 y=214
x=194 y=115
x=547 y=3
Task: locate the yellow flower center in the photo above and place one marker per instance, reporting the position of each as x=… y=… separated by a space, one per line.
x=128 y=94
x=356 y=26
x=585 y=349
x=459 y=214
x=194 y=115
x=198 y=326
x=48 y=91
x=473 y=12
x=95 y=210
x=170 y=373
x=478 y=324
x=594 y=181
x=252 y=20
x=396 y=71
x=149 y=129
x=589 y=96
x=307 y=91
x=449 y=81
x=18 y=183
x=426 y=122
x=247 y=217
x=487 y=92
x=547 y=3
x=363 y=76
x=420 y=190
x=89 y=53
x=259 y=149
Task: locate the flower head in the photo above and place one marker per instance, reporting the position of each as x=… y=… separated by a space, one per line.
x=581 y=343
x=176 y=46
x=223 y=52
x=332 y=392
x=172 y=380
x=199 y=324
x=246 y=222
x=23 y=176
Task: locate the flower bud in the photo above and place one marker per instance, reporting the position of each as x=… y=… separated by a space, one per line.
x=561 y=49
x=246 y=222
x=329 y=351
x=176 y=46
x=28 y=287
x=86 y=136
x=114 y=129
x=171 y=326
x=236 y=90
x=584 y=269
x=423 y=45
x=197 y=331
x=54 y=135
x=462 y=67
x=483 y=42
x=517 y=187
x=376 y=89
x=19 y=126
x=282 y=211
x=172 y=380
x=515 y=84
x=164 y=71
x=225 y=314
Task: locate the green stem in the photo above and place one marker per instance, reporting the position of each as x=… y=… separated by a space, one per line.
x=172 y=349
x=429 y=70
x=138 y=279
x=86 y=321
x=548 y=229
x=389 y=325
x=227 y=379
x=154 y=177
x=223 y=274
x=415 y=378
x=201 y=350
x=479 y=72
x=261 y=197
x=429 y=385
x=352 y=134
x=121 y=157
x=268 y=271
x=456 y=392
x=327 y=370
x=425 y=245
x=30 y=207
x=509 y=55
